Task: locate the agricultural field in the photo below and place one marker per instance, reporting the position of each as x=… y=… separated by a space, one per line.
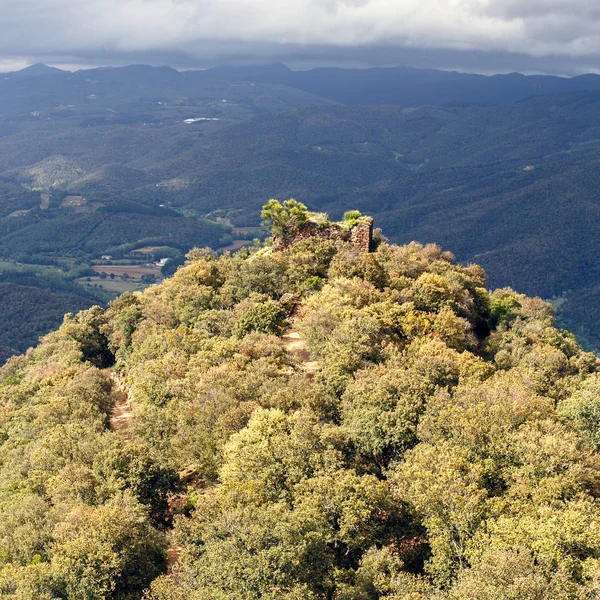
x=235 y=245
x=132 y=271
x=114 y=286
x=150 y=249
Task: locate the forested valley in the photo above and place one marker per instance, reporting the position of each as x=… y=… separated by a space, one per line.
x=309 y=423
x=142 y=163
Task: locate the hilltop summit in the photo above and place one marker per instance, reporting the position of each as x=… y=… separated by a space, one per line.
x=37 y=70
x=310 y=423
x=291 y=223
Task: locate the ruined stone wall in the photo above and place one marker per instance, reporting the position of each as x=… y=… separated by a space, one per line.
x=360 y=236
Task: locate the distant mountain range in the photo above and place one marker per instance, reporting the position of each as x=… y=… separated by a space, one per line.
x=404 y=86
x=35 y=71
x=407 y=86
x=503 y=170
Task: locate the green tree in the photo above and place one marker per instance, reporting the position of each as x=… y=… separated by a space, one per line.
x=109 y=552
x=264 y=317
x=283 y=220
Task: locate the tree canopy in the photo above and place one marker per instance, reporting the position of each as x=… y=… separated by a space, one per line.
x=284 y=219
x=316 y=423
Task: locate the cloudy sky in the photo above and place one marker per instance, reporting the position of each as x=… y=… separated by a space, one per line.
x=554 y=36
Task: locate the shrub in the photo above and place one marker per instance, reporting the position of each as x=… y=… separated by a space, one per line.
x=267 y=317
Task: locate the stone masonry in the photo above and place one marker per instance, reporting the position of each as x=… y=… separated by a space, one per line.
x=361 y=235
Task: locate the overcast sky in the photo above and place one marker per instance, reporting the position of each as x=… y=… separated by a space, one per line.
x=555 y=36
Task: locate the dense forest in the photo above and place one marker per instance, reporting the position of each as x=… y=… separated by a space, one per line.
x=501 y=169
x=28 y=312
x=314 y=423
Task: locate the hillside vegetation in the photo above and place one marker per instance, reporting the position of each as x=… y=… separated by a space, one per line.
x=421 y=438
x=28 y=312
x=75 y=183
x=507 y=178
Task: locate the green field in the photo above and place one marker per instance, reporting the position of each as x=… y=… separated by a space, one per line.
x=117 y=286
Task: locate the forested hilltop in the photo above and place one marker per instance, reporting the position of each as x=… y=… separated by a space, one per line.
x=110 y=162
x=315 y=423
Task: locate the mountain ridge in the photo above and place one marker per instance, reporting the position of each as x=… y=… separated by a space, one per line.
x=401 y=85
x=509 y=185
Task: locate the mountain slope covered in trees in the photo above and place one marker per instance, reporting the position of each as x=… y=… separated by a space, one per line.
x=428 y=439
x=513 y=187
x=30 y=311
x=99 y=160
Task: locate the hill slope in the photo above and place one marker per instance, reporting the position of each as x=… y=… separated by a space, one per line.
x=512 y=187
x=442 y=444
x=89 y=127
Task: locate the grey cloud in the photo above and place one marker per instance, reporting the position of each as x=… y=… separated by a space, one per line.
x=558 y=36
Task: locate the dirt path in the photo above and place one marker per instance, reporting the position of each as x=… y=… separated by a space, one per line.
x=121 y=420
x=122 y=413
x=174 y=553
x=298 y=347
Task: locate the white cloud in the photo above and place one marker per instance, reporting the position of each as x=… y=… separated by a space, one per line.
x=75 y=28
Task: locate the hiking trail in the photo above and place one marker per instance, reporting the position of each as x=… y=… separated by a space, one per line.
x=298 y=348
x=122 y=412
